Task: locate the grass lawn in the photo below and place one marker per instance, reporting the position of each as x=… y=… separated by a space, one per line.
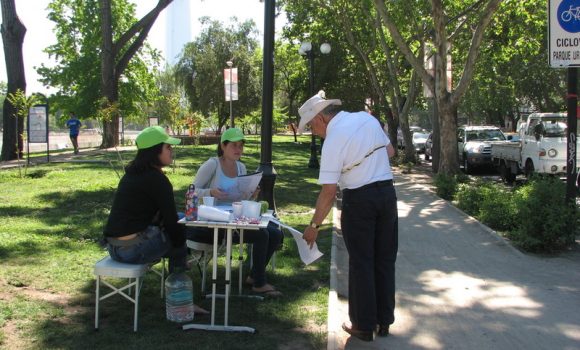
x=50 y=222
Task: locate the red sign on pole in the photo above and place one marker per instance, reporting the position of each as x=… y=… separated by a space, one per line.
x=231 y=84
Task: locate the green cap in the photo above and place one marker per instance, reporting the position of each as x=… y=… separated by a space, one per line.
x=154 y=135
x=233 y=135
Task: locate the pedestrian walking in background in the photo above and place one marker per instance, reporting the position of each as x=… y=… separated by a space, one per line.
x=355 y=156
x=74 y=126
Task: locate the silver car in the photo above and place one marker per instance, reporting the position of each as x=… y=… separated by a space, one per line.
x=474 y=145
x=419 y=139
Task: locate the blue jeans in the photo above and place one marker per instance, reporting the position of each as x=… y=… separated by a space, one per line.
x=265 y=241
x=149 y=246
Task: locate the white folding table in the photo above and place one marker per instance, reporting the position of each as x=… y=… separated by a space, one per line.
x=230 y=227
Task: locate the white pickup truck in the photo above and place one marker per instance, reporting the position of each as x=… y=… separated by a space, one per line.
x=540 y=149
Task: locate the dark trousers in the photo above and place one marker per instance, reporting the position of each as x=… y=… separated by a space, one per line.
x=369 y=223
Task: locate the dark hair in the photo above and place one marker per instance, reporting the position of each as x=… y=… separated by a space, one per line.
x=220 y=151
x=146 y=158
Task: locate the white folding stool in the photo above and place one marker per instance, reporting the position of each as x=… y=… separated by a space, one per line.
x=107 y=267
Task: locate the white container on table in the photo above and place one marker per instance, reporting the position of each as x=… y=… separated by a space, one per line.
x=251 y=209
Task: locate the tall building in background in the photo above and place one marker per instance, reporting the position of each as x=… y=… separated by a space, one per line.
x=177 y=29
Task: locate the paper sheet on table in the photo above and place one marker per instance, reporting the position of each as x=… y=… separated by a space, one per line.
x=244 y=188
x=307 y=255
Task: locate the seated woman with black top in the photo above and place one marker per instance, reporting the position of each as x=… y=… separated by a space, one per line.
x=142 y=225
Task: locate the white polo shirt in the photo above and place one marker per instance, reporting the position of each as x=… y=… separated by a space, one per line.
x=349 y=137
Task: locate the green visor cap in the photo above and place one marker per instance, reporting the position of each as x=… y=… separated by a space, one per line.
x=233 y=135
x=154 y=135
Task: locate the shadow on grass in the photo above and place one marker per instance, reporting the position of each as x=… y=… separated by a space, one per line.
x=279 y=321
x=68 y=217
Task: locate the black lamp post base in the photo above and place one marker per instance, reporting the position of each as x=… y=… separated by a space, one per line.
x=313 y=163
x=267 y=186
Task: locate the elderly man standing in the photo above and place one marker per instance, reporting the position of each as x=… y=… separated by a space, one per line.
x=355 y=156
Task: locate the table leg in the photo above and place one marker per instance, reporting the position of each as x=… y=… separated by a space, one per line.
x=228 y=274
x=214 y=274
x=240 y=261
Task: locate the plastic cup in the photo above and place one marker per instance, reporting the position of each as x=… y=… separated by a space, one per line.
x=237 y=209
x=209 y=201
x=251 y=209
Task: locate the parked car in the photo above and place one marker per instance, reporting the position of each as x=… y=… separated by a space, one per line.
x=400 y=141
x=429 y=146
x=419 y=139
x=475 y=145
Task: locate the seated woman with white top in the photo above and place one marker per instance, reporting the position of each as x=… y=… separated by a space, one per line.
x=217 y=177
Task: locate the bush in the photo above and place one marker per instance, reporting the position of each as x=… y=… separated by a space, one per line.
x=469 y=198
x=546 y=223
x=489 y=203
x=446 y=185
x=498 y=208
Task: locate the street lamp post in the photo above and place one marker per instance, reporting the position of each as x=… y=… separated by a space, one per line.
x=230 y=64
x=266 y=165
x=307 y=51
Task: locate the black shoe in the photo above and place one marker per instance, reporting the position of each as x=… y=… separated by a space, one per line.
x=362 y=335
x=383 y=330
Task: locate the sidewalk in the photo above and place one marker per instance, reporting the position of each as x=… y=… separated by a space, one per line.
x=461 y=286
x=66 y=156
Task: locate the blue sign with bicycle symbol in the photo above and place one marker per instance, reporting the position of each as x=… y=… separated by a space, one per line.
x=569 y=15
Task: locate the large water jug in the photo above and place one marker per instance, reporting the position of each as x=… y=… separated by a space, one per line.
x=179 y=297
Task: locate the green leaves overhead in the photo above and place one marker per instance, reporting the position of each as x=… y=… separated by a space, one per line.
x=201 y=64
x=77 y=72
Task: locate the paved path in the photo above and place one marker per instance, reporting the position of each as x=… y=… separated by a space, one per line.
x=84 y=156
x=460 y=286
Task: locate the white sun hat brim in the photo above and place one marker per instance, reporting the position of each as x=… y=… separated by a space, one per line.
x=311 y=108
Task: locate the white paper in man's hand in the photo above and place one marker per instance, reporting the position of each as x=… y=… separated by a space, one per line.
x=307 y=255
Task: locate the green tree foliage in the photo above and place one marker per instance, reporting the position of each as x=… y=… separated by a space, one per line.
x=340 y=74
x=513 y=71
x=77 y=72
x=289 y=73
x=200 y=69
x=170 y=104
x=444 y=23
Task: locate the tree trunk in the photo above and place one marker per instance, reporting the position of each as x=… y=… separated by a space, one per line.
x=435 y=137
x=448 y=156
x=13 y=32
x=113 y=63
x=108 y=81
x=447 y=99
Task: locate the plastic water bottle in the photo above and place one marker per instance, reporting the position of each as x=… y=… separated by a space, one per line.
x=191 y=203
x=179 y=297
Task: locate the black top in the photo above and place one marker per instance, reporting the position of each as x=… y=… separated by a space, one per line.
x=141 y=200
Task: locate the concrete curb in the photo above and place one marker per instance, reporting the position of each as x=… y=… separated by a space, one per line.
x=333 y=303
